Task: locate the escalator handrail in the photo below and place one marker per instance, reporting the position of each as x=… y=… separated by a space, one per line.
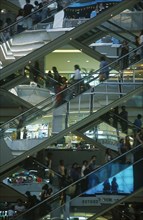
x=32 y=13
x=123 y=29
x=71 y=86
x=134 y=163
x=41 y=76
x=44 y=166
x=127 y=121
x=122 y=119
x=82 y=178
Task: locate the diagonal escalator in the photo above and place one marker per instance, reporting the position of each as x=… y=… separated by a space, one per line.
x=84 y=114
x=87 y=84
x=87 y=27
x=90 y=184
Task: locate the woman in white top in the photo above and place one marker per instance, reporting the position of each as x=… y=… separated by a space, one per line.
x=84 y=166
x=77 y=78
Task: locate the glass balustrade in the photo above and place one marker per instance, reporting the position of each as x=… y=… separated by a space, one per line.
x=24 y=63
x=128 y=20
x=75 y=112
x=108 y=129
x=9 y=35
x=32 y=174
x=93 y=184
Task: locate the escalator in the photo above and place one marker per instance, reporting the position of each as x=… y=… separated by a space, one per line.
x=93 y=184
x=7 y=53
x=87 y=82
x=31 y=175
x=108 y=139
x=106 y=96
x=87 y=27
x=32 y=171
x=32 y=164
x=12 y=107
x=107 y=28
x=27 y=163
x=107 y=129
x=87 y=45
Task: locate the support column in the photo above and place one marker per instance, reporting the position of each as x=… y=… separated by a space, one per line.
x=59 y=117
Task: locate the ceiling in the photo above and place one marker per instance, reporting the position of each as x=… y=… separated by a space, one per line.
x=65 y=59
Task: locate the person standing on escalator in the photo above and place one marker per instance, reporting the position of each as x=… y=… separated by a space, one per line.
x=58 y=79
x=28 y=8
x=104 y=69
x=77 y=78
x=123 y=119
x=124 y=54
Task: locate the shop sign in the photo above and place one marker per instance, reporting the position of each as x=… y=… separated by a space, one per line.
x=96 y=201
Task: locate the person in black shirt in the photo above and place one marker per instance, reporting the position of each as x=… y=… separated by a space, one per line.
x=124 y=53
x=27 y=11
x=124 y=120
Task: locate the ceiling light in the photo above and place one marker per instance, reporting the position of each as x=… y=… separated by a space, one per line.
x=68 y=61
x=3 y=11
x=66 y=51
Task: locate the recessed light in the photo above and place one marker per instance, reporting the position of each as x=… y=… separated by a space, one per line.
x=68 y=61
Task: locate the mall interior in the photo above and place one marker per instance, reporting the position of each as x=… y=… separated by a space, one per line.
x=71 y=148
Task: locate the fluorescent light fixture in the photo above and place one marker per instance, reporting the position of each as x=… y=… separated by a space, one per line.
x=66 y=51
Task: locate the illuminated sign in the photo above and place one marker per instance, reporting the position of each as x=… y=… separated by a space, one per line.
x=98 y=200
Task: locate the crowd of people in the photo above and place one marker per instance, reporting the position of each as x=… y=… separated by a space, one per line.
x=59 y=83
x=22 y=205
x=70 y=174
x=28 y=16
x=118 y=117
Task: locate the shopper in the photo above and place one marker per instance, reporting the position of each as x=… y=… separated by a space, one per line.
x=77 y=78
x=124 y=120
x=137 y=123
x=124 y=54
x=27 y=11
x=104 y=69
x=20 y=20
